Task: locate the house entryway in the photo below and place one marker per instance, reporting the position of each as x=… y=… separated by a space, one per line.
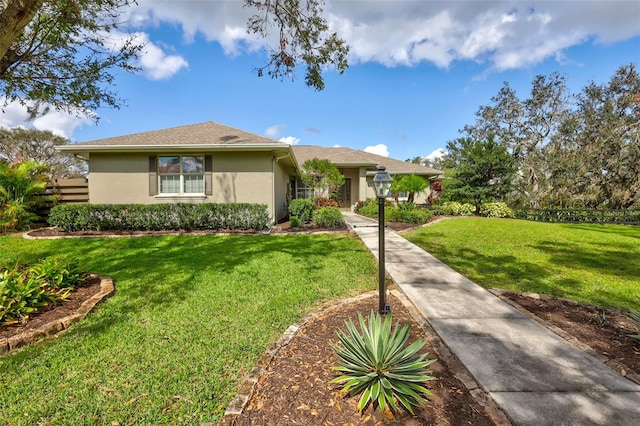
x=343 y=195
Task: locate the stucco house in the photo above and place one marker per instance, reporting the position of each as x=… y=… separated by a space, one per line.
x=214 y=163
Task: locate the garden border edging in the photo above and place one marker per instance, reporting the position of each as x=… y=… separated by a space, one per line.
x=54 y=327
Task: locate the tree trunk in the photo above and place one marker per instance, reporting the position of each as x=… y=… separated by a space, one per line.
x=15 y=16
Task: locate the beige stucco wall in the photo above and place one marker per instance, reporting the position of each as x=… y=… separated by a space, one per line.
x=119 y=179
x=282 y=189
x=237 y=177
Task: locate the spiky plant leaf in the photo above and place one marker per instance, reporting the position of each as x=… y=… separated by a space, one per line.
x=377 y=363
x=634 y=316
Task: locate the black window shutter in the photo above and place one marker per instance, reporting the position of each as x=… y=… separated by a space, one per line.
x=153 y=175
x=208 y=179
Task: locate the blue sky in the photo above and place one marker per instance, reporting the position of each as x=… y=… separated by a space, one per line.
x=419 y=69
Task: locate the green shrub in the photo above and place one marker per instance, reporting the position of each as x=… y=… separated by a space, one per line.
x=302 y=208
x=417 y=216
x=294 y=221
x=377 y=364
x=495 y=210
x=22 y=189
x=328 y=216
x=407 y=206
x=25 y=289
x=457 y=209
x=369 y=210
x=153 y=217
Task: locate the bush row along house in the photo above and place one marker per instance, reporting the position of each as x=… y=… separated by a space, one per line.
x=214 y=163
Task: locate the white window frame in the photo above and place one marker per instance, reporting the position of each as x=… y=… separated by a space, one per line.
x=182 y=175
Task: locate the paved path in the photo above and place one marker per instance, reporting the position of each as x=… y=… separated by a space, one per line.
x=535 y=376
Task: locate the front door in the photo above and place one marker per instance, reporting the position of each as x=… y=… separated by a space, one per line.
x=343 y=195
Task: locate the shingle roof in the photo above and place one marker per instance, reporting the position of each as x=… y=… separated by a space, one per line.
x=348 y=157
x=208 y=133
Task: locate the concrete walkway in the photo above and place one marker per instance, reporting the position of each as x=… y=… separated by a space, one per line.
x=535 y=376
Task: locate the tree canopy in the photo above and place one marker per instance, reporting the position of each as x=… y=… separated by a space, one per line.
x=323 y=176
x=64 y=53
x=479 y=171
x=22 y=145
x=571 y=150
x=412 y=184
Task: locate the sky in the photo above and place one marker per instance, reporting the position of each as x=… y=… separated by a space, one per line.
x=419 y=69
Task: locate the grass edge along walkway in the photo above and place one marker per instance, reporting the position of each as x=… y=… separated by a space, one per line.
x=595 y=264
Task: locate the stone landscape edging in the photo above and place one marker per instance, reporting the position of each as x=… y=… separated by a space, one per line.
x=54 y=327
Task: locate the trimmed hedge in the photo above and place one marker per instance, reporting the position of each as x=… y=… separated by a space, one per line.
x=159 y=217
x=457 y=209
x=328 y=216
x=404 y=215
x=626 y=217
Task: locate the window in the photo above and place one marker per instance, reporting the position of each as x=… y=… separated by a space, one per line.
x=302 y=190
x=181 y=174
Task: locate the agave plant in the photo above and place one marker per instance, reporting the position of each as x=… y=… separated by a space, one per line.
x=634 y=316
x=377 y=364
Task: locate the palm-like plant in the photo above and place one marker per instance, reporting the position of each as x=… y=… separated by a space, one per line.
x=377 y=364
x=634 y=316
x=21 y=189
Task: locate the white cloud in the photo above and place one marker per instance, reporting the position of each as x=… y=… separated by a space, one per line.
x=60 y=123
x=380 y=149
x=156 y=64
x=291 y=140
x=438 y=153
x=274 y=130
x=503 y=34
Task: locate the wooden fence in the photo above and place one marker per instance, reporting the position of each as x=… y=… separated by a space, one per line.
x=66 y=191
x=602 y=216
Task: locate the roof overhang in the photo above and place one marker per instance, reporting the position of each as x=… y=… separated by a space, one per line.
x=85 y=150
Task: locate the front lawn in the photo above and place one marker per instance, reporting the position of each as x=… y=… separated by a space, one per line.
x=189 y=318
x=590 y=263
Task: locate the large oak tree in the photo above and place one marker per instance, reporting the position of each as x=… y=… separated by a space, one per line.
x=63 y=53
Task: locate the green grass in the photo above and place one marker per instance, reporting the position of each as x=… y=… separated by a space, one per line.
x=590 y=263
x=189 y=318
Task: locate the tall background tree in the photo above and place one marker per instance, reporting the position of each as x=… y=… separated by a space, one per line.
x=22 y=145
x=64 y=53
x=478 y=171
x=525 y=127
x=571 y=150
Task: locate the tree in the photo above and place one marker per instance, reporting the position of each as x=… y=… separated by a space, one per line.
x=412 y=184
x=60 y=54
x=21 y=192
x=303 y=37
x=607 y=134
x=323 y=176
x=479 y=171
x=21 y=145
x=525 y=127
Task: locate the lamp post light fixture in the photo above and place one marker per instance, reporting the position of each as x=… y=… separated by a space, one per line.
x=381 y=184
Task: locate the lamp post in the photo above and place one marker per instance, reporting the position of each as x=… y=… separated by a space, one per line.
x=381 y=184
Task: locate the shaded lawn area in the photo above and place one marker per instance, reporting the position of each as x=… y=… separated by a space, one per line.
x=190 y=316
x=591 y=263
